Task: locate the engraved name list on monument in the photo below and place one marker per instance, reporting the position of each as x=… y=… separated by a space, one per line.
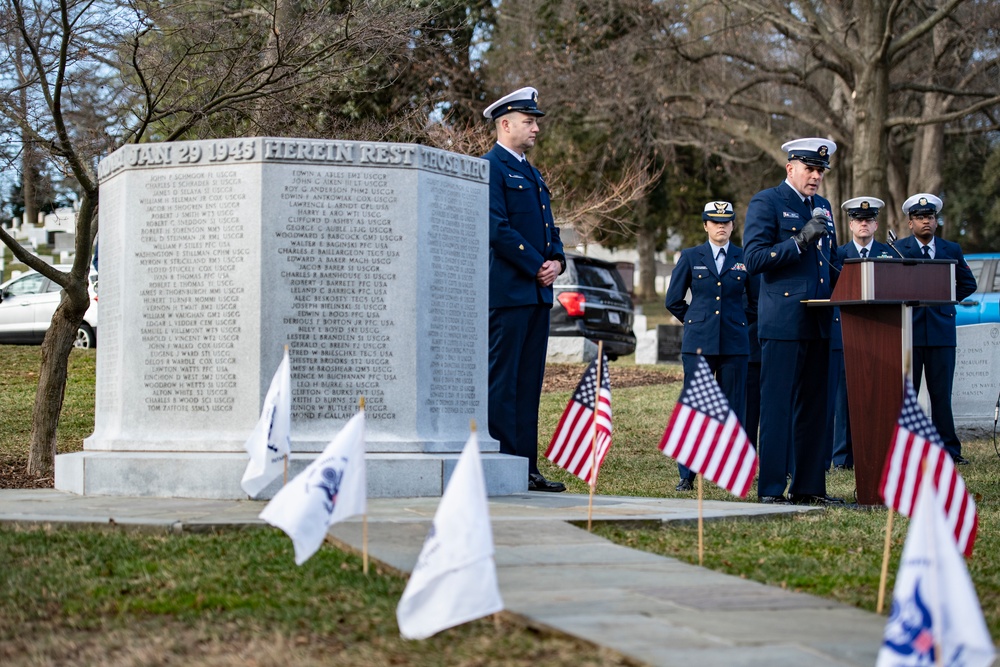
x=452 y=223
x=338 y=251
x=194 y=252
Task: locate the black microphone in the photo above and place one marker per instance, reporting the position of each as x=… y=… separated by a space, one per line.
x=890 y=239
x=822 y=215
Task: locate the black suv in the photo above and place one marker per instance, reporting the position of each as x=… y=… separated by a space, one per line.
x=591 y=300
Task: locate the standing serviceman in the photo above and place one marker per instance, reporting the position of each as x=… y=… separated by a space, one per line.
x=526 y=256
x=790 y=241
x=934 y=338
x=716 y=324
x=862 y=214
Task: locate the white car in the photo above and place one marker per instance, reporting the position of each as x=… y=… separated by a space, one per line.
x=28 y=302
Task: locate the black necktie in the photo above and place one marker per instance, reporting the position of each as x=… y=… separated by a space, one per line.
x=722 y=254
x=809 y=204
x=927 y=252
x=864 y=253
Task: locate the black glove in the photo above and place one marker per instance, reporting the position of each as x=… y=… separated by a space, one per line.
x=815 y=228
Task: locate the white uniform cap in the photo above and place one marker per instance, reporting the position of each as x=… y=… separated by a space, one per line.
x=524 y=100
x=922 y=202
x=718 y=211
x=863 y=207
x=813 y=151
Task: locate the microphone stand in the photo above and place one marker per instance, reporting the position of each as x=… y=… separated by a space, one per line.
x=890 y=240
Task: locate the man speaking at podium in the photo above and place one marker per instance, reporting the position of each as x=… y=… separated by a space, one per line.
x=934 y=338
x=791 y=242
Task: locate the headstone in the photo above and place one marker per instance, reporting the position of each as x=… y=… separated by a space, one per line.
x=570 y=350
x=646 y=347
x=668 y=342
x=64 y=242
x=370 y=261
x=976 y=387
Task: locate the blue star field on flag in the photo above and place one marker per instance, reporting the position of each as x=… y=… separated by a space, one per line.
x=913 y=419
x=587 y=389
x=704 y=395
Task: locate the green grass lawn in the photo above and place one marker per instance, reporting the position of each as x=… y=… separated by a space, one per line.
x=106 y=597
x=167 y=594
x=836 y=553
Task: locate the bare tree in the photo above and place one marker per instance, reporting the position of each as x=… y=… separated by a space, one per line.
x=885 y=79
x=144 y=70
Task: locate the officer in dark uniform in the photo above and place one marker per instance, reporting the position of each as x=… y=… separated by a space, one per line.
x=934 y=337
x=862 y=213
x=790 y=241
x=716 y=325
x=526 y=256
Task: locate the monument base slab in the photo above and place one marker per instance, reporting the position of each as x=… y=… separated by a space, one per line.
x=216 y=476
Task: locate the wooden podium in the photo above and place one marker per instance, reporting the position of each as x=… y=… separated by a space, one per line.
x=876 y=298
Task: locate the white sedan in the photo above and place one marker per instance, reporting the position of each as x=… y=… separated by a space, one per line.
x=28 y=302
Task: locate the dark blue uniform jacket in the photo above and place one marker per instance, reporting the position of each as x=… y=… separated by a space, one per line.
x=715 y=321
x=787 y=276
x=522 y=232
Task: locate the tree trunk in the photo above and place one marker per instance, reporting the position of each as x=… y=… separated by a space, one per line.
x=56 y=349
x=645 y=246
x=51 y=390
x=871 y=111
x=30 y=214
x=925 y=172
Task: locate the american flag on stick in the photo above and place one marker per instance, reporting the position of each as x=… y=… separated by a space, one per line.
x=915 y=445
x=705 y=435
x=571 y=447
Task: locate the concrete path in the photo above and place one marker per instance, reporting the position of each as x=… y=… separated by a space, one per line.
x=555 y=574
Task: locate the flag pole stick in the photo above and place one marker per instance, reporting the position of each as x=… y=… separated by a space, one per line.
x=364 y=518
x=885 y=563
x=701 y=526
x=593 y=435
x=886 y=550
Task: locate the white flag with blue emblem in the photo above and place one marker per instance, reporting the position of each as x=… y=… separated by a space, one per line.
x=331 y=488
x=270 y=441
x=936 y=618
x=455 y=578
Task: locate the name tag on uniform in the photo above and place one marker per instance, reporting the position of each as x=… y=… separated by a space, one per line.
x=701 y=267
x=789 y=214
x=515 y=176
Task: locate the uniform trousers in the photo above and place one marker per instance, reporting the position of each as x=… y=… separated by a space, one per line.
x=752 y=423
x=843 y=446
x=938 y=364
x=793 y=416
x=730 y=371
x=518 y=339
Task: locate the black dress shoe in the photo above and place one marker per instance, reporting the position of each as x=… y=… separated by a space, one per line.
x=810 y=499
x=685 y=485
x=960 y=460
x=538 y=483
x=774 y=500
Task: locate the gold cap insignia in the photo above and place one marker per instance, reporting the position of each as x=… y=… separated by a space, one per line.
x=864 y=205
x=923 y=201
x=822 y=151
